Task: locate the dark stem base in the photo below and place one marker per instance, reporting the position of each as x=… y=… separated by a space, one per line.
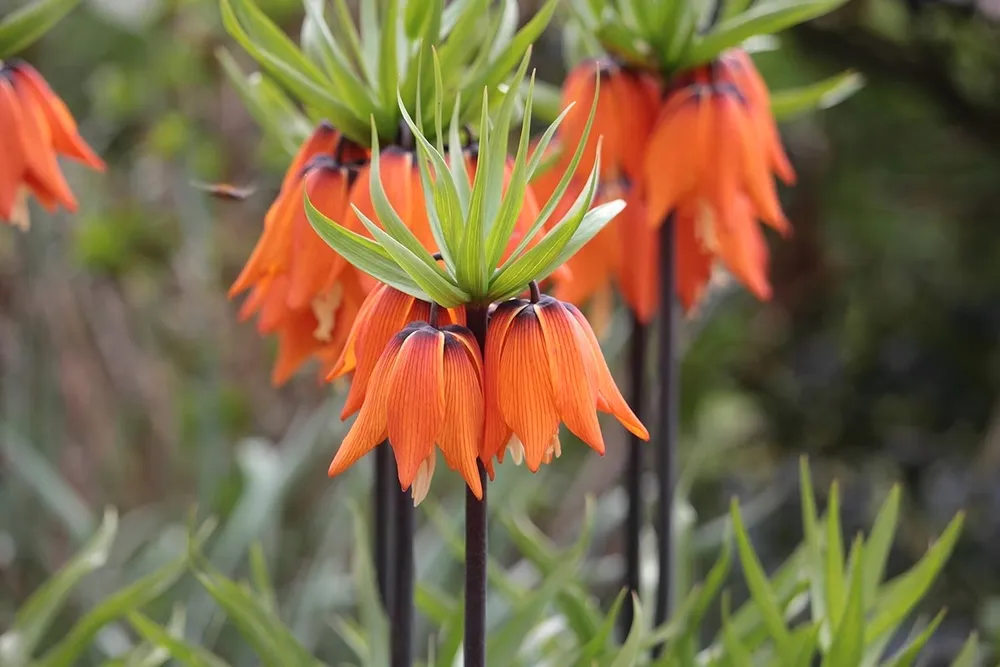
x=632 y=478
x=402 y=608
x=666 y=428
x=475 y=538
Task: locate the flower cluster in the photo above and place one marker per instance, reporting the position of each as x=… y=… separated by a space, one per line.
x=37 y=127
x=700 y=147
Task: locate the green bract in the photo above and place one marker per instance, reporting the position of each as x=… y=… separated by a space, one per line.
x=472 y=226
x=349 y=74
x=22 y=27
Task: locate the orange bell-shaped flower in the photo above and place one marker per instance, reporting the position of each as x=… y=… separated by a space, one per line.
x=544 y=366
x=35 y=127
x=425 y=390
x=384 y=312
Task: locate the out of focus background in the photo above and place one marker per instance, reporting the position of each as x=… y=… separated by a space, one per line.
x=126 y=380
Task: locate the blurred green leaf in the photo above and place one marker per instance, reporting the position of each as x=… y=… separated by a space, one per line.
x=18 y=644
x=879 y=543
x=763 y=18
x=907 y=655
x=173 y=642
x=25 y=25
x=969 y=655
x=820 y=95
x=373 y=618
x=760 y=588
x=847 y=646
x=261 y=578
x=901 y=594
x=835 y=592
x=388 y=60
x=629 y=654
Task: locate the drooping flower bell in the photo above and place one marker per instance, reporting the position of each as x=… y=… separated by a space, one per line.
x=543 y=366
x=710 y=161
x=384 y=313
x=301 y=289
x=35 y=127
x=425 y=390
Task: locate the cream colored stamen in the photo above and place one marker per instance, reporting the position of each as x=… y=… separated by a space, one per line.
x=705 y=228
x=554 y=449
x=422 y=482
x=19 y=215
x=515 y=448
x=325 y=307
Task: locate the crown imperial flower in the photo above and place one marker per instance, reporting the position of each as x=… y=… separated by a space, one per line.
x=36 y=127
x=544 y=366
x=425 y=391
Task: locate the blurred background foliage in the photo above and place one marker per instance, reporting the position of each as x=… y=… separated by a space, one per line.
x=127 y=380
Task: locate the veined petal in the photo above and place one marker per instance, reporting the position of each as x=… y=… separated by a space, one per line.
x=415 y=408
x=65 y=135
x=347 y=360
x=574 y=383
x=315 y=265
x=526 y=395
x=496 y=432
x=43 y=173
x=389 y=313
x=12 y=148
x=614 y=402
x=370 y=427
x=463 y=426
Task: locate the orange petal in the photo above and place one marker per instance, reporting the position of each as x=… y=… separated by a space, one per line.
x=526 y=395
x=370 y=428
x=674 y=154
x=396 y=168
x=43 y=173
x=574 y=383
x=12 y=148
x=270 y=254
x=415 y=408
x=66 y=138
x=315 y=266
x=639 y=277
x=323 y=140
x=694 y=261
x=387 y=316
x=496 y=432
x=296 y=344
x=347 y=360
x=635 y=96
x=744 y=251
x=463 y=426
x=614 y=403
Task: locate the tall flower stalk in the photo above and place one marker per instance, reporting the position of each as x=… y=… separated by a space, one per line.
x=691 y=145
x=501 y=377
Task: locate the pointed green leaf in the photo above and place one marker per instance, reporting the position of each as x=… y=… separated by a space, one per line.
x=174 y=643
x=18 y=644
x=509 y=57
x=439 y=288
x=372 y=615
x=435 y=604
x=456 y=158
x=303 y=80
x=268 y=105
x=879 y=543
x=821 y=95
x=835 y=592
x=603 y=636
x=23 y=26
x=388 y=54
x=349 y=33
x=969 y=655
x=363 y=253
x=371 y=37
x=738 y=655
x=732 y=8
x=629 y=654
x=847 y=646
x=69 y=649
x=907 y=655
x=815 y=569
x=760 y=587
x=763 y=18
x=517 y=272
x=260 y=577
x=901 y=594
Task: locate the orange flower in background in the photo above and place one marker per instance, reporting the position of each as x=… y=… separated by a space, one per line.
x=383 y=314
x=543 y=366
x=706 y=153
x=35 y=127
x=626 y=110
x=301 y=289
x=426 y=388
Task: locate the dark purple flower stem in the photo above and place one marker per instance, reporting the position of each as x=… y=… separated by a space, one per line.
x=475 y=535
x=632 y=479
x=402 y=605
x=666 y=427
